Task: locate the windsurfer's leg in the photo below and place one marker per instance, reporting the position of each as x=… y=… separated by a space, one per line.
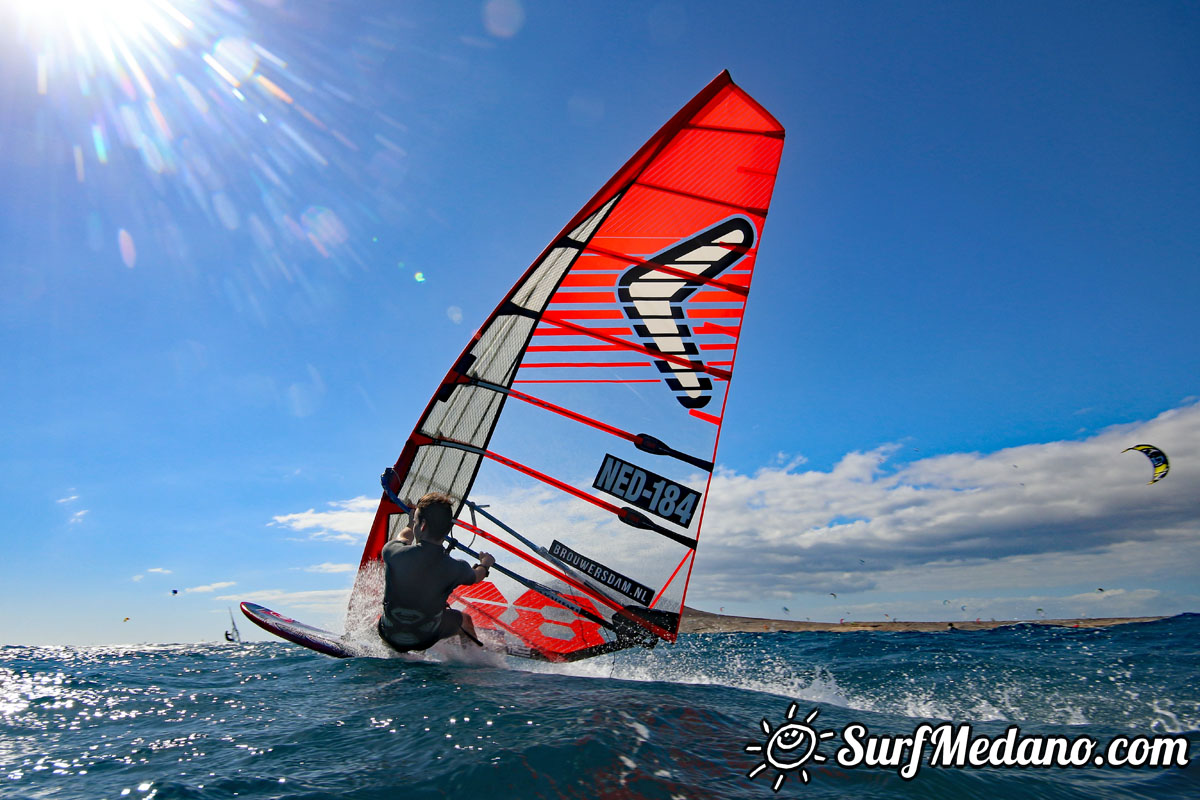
x=468 y=630
x=456 y=622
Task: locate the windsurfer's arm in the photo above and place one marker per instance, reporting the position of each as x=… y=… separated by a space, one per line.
x=483 y=567
x=405 y=536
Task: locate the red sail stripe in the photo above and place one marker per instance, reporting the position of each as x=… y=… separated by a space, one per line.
x=595 y=380
x=716 y=297
x=577 y=329
x=696 y=366
x=570 y=348
x=575 y=415
x=591 y=313
x=586 y=364
x=590 y=279
x=713 y=329
x=582 y=297
x=691 y=277
x=555 y=482
x=593 y=264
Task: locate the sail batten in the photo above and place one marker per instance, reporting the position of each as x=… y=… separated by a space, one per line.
x=628 y=322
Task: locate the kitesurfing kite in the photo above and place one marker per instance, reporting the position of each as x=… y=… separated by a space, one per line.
x=600 y=379
x=1158 y=460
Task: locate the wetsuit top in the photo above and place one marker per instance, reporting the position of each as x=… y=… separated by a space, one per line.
x=417 y=580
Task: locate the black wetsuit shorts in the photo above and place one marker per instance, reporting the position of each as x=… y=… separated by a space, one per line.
x=451 y=623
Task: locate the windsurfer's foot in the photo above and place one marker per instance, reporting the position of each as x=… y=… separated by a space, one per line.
x=467 y=631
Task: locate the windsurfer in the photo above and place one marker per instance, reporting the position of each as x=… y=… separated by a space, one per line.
x=419 y=576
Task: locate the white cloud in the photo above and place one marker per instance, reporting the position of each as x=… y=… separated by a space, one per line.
x=1002 y=533
x=346 y=521
x=211 y=587
x=159 y=570
x=77 y=516
x=328 y=567
x=137 y=578
x=1056 y=513
x=69 y=499
x=328 y=602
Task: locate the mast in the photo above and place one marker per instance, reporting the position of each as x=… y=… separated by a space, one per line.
x=235 y=636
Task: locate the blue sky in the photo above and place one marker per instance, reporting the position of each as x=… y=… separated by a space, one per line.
x=977 y=286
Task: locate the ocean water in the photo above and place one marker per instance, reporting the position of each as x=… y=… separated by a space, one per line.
x=272 y=720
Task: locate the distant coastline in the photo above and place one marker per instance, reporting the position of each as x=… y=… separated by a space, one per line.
x=697 y=621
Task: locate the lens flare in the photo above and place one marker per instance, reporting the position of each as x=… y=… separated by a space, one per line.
x=127 y=248
x=176 y=117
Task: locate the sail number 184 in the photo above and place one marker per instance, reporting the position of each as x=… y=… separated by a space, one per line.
x=648 y=491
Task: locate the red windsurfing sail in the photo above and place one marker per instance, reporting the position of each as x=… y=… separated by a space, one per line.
x=578 y=429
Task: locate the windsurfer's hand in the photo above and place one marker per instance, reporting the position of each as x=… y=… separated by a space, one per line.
x=486 y=560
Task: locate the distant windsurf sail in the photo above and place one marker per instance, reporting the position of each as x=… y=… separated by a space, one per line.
x=578 y=428
x=233 y=635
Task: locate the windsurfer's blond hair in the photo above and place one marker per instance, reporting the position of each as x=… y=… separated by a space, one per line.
x=436 y=510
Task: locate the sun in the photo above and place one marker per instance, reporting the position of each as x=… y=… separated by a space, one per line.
x=128 y=16
x=789 y=747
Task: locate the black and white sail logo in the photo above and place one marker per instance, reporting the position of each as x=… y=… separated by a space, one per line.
x=654 y=300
